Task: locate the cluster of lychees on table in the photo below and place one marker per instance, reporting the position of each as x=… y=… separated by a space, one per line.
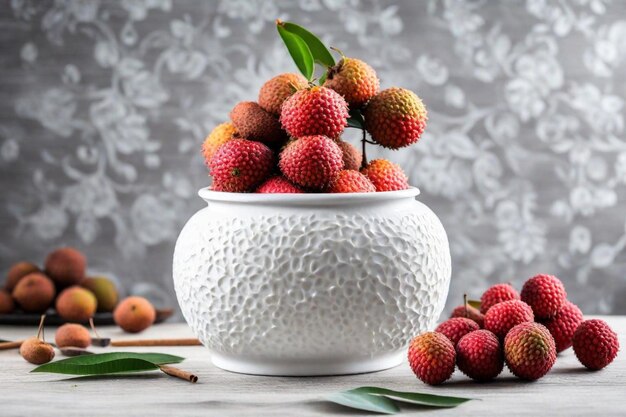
x=289 y=141
x=523 y=330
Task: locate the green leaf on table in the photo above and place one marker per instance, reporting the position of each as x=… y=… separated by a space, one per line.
x=474 y=303
x=298 y=50
x=320 y=53
x=364 y=401
x=109 y=363
x=430 y=400
x=356 y=119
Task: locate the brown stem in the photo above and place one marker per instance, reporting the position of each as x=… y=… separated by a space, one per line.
x=465 y=304
x=363 y=142
x=179 y=373
x=93 y=327
x=156 y=342
x=40 y=331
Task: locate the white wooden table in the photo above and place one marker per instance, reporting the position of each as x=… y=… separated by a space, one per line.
x=568 y=390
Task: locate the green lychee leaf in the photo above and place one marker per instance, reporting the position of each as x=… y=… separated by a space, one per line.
x=321 y=54
x=364 y=401
x=356 y=119
x=419 y=398
x=109 y=363
x=474 y=303
x=299 y=51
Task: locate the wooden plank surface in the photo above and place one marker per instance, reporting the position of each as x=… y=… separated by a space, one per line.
x=568 y=390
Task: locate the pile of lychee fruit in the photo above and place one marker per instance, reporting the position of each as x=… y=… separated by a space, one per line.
x=523 y=330
x=289 y=141
x=63 y=285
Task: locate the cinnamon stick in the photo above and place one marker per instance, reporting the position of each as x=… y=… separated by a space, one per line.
x=156 y=342
x=11 y=345
x=179 y=373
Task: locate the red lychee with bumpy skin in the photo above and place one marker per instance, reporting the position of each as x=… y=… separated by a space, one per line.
x=218 y=136
x=240 y=165
x=529 y=350
x=479 y=355
x=455 y=328
x=595 y=344
x=278 y=89
x=349 y=181
x=278 y=185
x=504 y=316
x=354 y=79
x=314 y=111
x=432 y=357
x=66 y=266
x=395 y=118
x=470 y=312
x=385 y=175
x=563 y=325
x=497 y=294
x=545 y=294
x=34 y=293
x=352 y=157
x=254 y=123
x=311 y=161
x=17 y=272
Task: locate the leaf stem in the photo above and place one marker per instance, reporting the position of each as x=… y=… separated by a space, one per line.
x=363 y=142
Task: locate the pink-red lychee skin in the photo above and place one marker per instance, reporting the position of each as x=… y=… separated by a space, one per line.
x=385 y=175
x=311 y=161
x=545 y=294
x=479 y=355
x=504 y=316
x=395 y=118
x=352 y=157
x=432 y=357
x=278 y=185
x=595 y=344
x=315 y=111
x=529 y=350
x=455 y=328
x=240 y=165
x=278 y=89
x=253 y=123
x=355 y=80
x=563 y=325
x=470 y=312
x=497 y=294
x=349 y=181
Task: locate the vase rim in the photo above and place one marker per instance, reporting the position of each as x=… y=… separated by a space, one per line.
x=209 y=195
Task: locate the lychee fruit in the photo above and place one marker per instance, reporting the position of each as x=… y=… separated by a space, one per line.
x=497 y=294
x=595 y=344
x=470 y=312
x=6 y=302
x=354 y=79
x=134 y=314
x=218 y=136
x=315 y=111
x=73 y=335
x=311 y=161
x=240 y=165
x=503 y=316
x=66 y=266
x=36 y=351
x=352 y=157
x=349 y=181
x=563 y=325
x=278 y=89
x=455 y=328
x=105 y=291
x=278 y=185
x=545 y=294
x=254 y=123
x=479 y=355
x=529 y=350
x=76 y=304
x=395 y=118
x=385 y=175
x=432 y=357
x=34 y=293
x=17 y=272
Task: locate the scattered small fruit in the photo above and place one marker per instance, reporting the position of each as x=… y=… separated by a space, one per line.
x=455 y=328
x=104 y=290
x=595 y=344
x=76 y=304
x=545 y=294
x=432 y=357
x=502 y=317
x=563 y=325
x=386 y=176
x=497 y=294
x=479 y=355
x=66 y=266
x=134 y=314
x=529 y=350
x=472 y=313
x=6 y=302
x=36 y=351
x=34 y=293
x=349 y=181
x=17 y=272
x=74 y=335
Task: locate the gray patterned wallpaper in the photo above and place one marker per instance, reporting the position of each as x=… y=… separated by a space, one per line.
x=104 y=105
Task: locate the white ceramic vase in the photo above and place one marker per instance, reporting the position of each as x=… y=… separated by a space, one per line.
x=311 y=284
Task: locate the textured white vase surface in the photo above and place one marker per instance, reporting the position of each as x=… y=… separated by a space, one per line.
x=311 y=284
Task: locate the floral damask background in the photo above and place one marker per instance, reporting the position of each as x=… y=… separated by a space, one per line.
x=105 y=104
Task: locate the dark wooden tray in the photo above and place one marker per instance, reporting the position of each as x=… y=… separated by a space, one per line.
x=53 y=319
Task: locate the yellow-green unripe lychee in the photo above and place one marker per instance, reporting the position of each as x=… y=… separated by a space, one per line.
x=105 y=291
